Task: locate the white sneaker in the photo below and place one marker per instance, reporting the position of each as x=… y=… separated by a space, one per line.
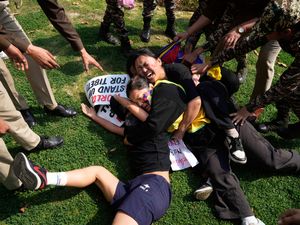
x=204 y=191
x=259 y=222
x=3 y=55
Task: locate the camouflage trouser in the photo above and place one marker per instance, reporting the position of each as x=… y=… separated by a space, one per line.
x=114 y=14
x=150 y=5
x=285 y=93
x=292 y=100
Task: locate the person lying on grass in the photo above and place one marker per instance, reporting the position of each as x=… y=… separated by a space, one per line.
x=143 y=199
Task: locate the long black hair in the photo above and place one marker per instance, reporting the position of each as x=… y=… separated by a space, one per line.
x=133 y=56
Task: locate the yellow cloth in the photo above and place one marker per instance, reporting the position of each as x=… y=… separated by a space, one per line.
x=215 y=72
x=197 y=123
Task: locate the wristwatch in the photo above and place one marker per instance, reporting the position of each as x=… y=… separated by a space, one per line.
x=241 y=30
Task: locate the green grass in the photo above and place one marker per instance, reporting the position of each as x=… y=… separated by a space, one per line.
x=88 y=144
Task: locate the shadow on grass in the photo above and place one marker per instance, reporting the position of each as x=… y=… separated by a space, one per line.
x=13 y=201
x=106 y=213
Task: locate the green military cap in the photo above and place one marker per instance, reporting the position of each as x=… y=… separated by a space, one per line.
x=277 y=16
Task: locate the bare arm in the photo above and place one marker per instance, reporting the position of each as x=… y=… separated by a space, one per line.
x=91 y=113
x=189 y=115
x=136 y=110
x=198 y=25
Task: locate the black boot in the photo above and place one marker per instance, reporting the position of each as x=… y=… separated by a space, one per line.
x=125 y=45
x=28 y=117
x=145 y=35
x=170 y=29
x=280 y=123
x=291 y=132
x=104 y=35
x=273 y=125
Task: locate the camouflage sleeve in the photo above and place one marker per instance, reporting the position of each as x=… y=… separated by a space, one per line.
x=288 y=83
x=242 y=47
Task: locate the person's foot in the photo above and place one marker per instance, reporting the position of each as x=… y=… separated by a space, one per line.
x=273 y=125
x=48 y=143
x=28 y=117
x=61 y=110
x=32 y=176
x=258 y=222
x=145 y=35
x=204 y=191
x=236 y=150
x=290 y=132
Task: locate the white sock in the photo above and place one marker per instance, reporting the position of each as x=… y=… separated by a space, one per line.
x=232 y=133
x=57 y=179
x=250 y=219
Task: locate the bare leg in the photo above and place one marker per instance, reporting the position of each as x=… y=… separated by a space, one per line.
x=104 y=179
x=34 y=177
x=122 y=218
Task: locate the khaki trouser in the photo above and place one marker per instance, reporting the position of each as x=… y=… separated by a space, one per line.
x=265 y=67
x=21 y=133
x=36 y=76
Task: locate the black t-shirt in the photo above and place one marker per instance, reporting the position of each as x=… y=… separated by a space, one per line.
x=150 y=138
x=180 y=74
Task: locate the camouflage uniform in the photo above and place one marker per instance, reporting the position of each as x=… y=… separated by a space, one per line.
x=215 y=31
x=192 y=40
x=286 y=92
x=114 y=14
x=149 y=7
x=148 y=11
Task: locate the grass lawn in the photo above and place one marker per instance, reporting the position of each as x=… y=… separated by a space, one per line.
x=87 y=144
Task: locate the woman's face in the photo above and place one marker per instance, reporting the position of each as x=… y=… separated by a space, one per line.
x=149 y=67
x=141 y=97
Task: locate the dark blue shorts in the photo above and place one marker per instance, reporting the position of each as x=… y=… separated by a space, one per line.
x=145 y=198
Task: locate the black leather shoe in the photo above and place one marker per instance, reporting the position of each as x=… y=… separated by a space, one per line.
x=291 y=132
x=61 y=110
x=274 y=125
x=109 y=38
x=48 y=142
x=28 y=117
x=145 y=35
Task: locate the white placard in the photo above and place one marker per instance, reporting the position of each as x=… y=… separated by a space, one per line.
x=180 y=156
x=99 y=89
x=106 y=113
